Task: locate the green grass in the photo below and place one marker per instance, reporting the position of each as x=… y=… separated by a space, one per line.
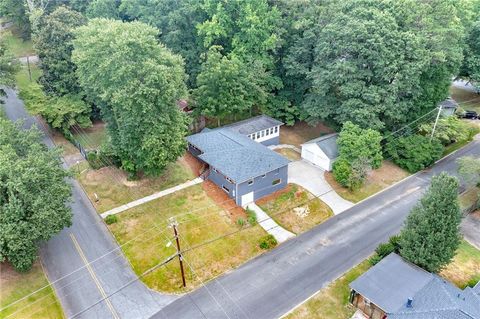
x=92 y=137
x=200 y=220
x=23 y=79
x=113 y=189
x=17 y=45
x=474 y=130
x=464 y=270
x=295 y=209
x=332 y=301
x=14 y=286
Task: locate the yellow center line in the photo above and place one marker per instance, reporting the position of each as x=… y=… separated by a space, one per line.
x=94 y=277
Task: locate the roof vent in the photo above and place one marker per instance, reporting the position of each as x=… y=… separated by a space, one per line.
x=409 y=303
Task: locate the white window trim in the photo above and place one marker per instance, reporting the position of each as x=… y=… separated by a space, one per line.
x=250 y=182
x=225 y=189
x=279 y=181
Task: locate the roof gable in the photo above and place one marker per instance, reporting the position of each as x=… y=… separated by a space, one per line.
x=254 y=124
x=328 y=144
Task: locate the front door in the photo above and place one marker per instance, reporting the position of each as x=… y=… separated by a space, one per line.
x=247 y=199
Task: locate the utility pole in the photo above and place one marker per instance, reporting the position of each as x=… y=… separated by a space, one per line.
x=174 y=224
x=28 y=66
x=436 y=121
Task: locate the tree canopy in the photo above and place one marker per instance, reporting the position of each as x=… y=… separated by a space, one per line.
x=53 y=44
x=431 y=234
x=136 y=81
x=33 y=194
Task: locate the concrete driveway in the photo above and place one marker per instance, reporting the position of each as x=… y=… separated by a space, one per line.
x=471 y=228
x=312 y=179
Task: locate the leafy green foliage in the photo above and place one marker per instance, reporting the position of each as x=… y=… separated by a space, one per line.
x=267 y=242
x=355 y=143
x=226 y=86
x=103 y=9
x=431 y=234
x=251 y=217
x=471 y=63
x=449 y=130
x=8 y=65
x=469 y=170
x=54 y=47
x=144 y=124
x=111 y=219
x=33 y=194
x=342 y=170
x=14 y=10
x=414 y=152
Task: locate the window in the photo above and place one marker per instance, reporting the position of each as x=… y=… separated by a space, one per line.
x=271 y=130
x=225 y=189
x=262 y=133
x=258 y=134
x=253 y=136
x=267 y=131
x=276 y=129
x=229 y=179
x=215 y=170
x=264 y=175
x=250 y=182
x=276 y=181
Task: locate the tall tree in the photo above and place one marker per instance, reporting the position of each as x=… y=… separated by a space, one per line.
x=54 y=46
x=136 y=82
x=14 y=10
x=471 y=64
x=103 y=9
x=8 y=65
x=33 y=194
x=431 y=234
x=177 y=21
x=226 y=86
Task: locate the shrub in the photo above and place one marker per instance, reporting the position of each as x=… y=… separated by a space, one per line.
x=240 y=222
x=449 y=130
x=95 y=160
x=375 y=259
x=414 y=152
x=342 y=171
x=385 y=249
x=268 y=242
x=251 y=217
x=111 y=219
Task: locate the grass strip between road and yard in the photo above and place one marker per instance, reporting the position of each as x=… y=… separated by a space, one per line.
x=15 y=285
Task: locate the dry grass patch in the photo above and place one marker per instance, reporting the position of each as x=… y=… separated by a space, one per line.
x=468 y=100
x=201 y=220
x=289 y=153
x=114 y=189
x=464 y=270
x=301 y=132
x=14 y=286
x=378 y=179
x=295 y=209
x=332 y=301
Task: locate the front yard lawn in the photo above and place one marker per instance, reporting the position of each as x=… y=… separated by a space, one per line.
x=289 y=153
x=201 y=220
x=91 y=138
x=332 y=301
x=16 y=44
x=378 y=179
x=14 y=285
x=295 y=209
x=301 y=132
x=464 y=270
x=113 y=189
x=468 y=100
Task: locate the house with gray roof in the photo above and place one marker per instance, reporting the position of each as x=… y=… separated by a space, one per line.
x=448 y=106
x=321 y=151
x=242 y=166
x=261 y=128
x=397 y=289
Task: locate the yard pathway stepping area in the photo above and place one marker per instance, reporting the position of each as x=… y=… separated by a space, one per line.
x=270 y=225
x=149 y=198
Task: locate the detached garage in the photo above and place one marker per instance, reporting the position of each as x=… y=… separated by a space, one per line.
x=321 y=151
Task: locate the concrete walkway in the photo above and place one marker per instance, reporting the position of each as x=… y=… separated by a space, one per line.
x=312 y=179
x=279 y=146
x=149 y=198
x=471 y=229
x=270 y=226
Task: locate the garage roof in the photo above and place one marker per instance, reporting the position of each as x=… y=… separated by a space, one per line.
x=328 y=144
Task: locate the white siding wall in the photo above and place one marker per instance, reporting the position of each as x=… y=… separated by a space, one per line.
x=313 y=154
x=265 y=134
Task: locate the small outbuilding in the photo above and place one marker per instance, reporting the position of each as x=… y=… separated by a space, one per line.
x=321 y=151
x=449 y=106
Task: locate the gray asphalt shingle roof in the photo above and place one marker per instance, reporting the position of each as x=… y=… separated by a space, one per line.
x=449 y=104
x=328 y=144
x=234 y=155
x=254 y=124
x=393 y=280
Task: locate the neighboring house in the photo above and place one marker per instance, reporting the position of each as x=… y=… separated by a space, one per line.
x=449 y=106
x=244 y=169
x=397 y=289
x=262 y=129
x=321 y=151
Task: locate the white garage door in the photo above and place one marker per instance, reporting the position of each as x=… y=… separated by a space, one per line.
x=247 y=198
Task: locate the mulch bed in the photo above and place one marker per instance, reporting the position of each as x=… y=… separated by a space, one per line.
x=221 y=199
x=195 y=165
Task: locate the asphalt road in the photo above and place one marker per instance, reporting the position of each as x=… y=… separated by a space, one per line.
x=272 y=284
x=88 y=241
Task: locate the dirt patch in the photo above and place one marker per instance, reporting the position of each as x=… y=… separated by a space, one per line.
x=195 y=165
x=302 y=132
x=221 y=199
x=8 y=274
x=275 y=195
